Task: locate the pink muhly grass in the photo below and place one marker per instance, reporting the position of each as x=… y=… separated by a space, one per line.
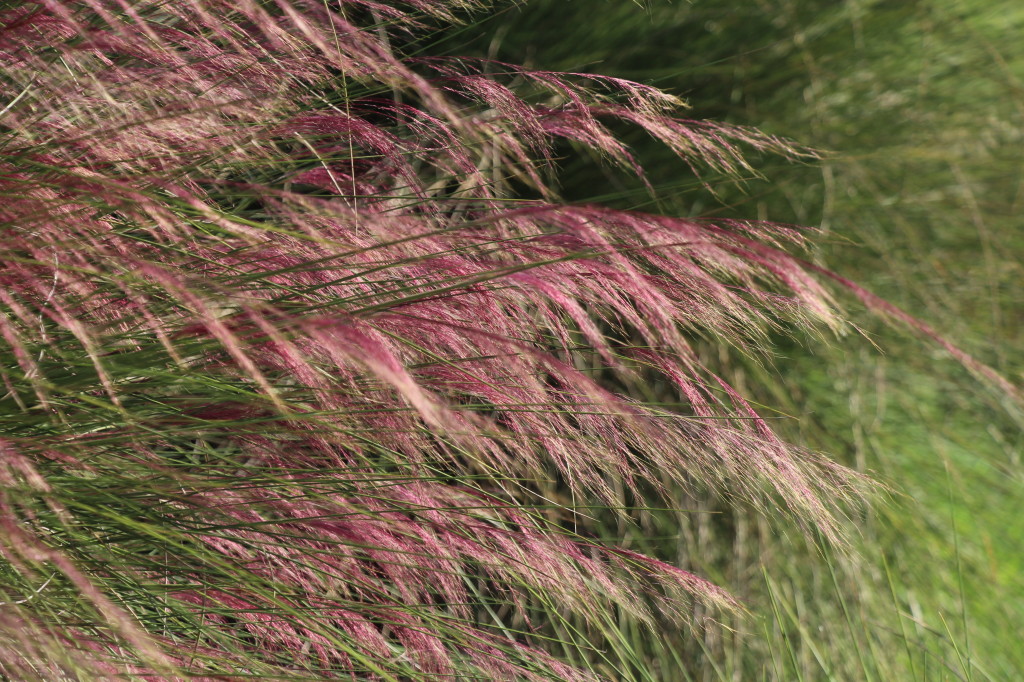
x=294 y=385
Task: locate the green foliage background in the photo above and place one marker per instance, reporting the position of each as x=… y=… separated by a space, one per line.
x=922 y=108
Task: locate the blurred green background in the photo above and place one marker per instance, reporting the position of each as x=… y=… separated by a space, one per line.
x=920 y=105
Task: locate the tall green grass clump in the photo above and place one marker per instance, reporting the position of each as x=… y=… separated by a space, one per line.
x=308 y=373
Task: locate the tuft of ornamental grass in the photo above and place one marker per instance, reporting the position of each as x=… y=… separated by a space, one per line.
x=309 y=375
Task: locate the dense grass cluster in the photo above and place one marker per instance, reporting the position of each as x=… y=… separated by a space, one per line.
x=308 y=374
